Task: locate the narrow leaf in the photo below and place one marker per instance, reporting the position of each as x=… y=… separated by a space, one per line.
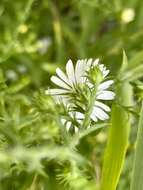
x=124 y=62
x=137 y=178
x=136 y=60
x=117 y=139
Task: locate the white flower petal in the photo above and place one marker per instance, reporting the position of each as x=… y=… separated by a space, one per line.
x=76 y=129
x=56 y=91
x=62 y=75
x=101 y=67
x=90 y=85
x=93 y=117
x=99 y=113
x=89 y=64
x=70 y=72
x=105 y=73
x=61 y=99
x=79 y=115
x=59 y=82
x=106 y=95
x=105 y=85
x=103 y=106
x=79 y=71
x=63 y=121
x=96 y=62
x=68 y=125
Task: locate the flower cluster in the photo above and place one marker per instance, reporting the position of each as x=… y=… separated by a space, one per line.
x=82 y=90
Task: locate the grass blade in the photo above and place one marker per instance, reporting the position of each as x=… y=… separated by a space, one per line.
x=137 y=178
x=117 y=140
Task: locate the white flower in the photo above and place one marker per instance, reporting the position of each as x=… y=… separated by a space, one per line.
x=22 y=69
x=11 y=75
x=68 y=83
x=43 y=44
x=73 y=77
x=23 y=29
x=127 y=15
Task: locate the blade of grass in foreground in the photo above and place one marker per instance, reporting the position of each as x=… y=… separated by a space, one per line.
x=118 y=135
x=137 y=178
x=117 y=140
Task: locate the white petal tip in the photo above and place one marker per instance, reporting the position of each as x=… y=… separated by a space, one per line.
x=52 y=78
x=47 y=92
x=76 y=130
x=106 y=95
x=96 y=62
x=58 y=69
x=69 y=61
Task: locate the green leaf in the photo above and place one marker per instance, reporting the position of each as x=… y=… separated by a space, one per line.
x=136 y=60
x=124 y=62
x=3 y=85
x=76 y=139
x=117 y=139
x=137 y=178
x=133 y=74
x=22 y=83
x=92 y=129
x=134 y=69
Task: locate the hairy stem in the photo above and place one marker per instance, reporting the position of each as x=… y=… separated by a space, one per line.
x=87 y=119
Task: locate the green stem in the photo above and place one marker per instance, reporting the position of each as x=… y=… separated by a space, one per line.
x=87 y=119
x=33 y=186
x=137 y=178
x=57 y=30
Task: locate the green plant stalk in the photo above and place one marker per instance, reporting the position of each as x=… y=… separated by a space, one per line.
x=87 y=119
x=137 y=178
x=57 y=30
x=118 y=139
x=33 y=186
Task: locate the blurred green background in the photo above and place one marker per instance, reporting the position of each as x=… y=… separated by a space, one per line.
x=36 y=36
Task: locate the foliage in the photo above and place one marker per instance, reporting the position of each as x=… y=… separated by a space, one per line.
x=36 y=150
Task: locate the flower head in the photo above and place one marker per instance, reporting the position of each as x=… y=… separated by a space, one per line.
x=127 y=15
x=73 y=77
x=82 y=86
